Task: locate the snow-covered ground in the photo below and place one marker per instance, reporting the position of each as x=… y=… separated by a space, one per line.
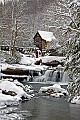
x=76 y=100
x=28 y=63
x=20 y=90
x=51 y=58
x=11 y=92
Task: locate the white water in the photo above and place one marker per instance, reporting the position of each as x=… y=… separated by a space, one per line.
x=65 y=77
x=53 y=76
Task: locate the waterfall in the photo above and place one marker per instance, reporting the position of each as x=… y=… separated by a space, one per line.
x=57 y=76
x=53 y=79
x=54 y=75
x=65 y=77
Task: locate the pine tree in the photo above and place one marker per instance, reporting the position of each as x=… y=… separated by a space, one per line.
x=73 y=48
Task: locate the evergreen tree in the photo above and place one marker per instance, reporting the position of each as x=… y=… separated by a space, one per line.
x=73 y=48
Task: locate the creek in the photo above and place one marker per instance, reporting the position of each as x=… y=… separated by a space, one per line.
x=42 y=108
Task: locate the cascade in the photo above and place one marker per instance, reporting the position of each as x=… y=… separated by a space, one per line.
x=54 y=75
x=65 y=77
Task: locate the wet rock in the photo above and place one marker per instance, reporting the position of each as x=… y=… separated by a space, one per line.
x=12 y=93
x=15 y=71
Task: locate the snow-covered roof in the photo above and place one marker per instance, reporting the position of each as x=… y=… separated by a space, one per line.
x=48 y=36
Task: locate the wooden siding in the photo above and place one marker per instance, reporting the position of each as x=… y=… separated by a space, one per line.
x=39 y=42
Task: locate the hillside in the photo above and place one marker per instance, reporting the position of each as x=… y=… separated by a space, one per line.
x=31 y=15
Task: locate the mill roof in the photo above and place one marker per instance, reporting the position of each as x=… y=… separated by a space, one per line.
x=48 y=36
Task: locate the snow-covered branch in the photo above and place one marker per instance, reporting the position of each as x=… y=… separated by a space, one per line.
x=60 y=3
x=75 y=30
x=68 y=16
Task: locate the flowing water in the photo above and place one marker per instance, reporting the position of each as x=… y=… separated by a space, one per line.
x=53 y=76
x=49 y=108
x=45 y=108
x=42 y=108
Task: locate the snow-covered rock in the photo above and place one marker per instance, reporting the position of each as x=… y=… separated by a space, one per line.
x=48 y=59
x=76 y=100
x=10 y=86
x=55 y=90
x=55 y=87
x=57 y=95
x=19 y=84
x=7 y=100
x=2 y=105
x=29 y=89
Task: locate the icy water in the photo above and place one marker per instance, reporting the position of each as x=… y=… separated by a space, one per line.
x=42 y=108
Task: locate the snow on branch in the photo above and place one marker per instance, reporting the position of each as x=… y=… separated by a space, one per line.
x=60 y=3
x=75 y=30
x=68 y=16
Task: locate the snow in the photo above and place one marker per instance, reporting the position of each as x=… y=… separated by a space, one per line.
x=4 y=66
x=52 y=58
x=14 y=76
x=27 y=60
x=58 y=91
x=18 y=84
x=2 y=1
x=27 y=63
x=48 y=36
x=7 y=100
x=10 y=86
x=18 y=88
x=14 y=86
x=23 y=67
x=75 y=2
x=6 y=97
x=57 y=95
x=5 y=1
x=2 y=105
x=76 y=100
x=30 y=61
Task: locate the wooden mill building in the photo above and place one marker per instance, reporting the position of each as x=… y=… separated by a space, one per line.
x=42 y=39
